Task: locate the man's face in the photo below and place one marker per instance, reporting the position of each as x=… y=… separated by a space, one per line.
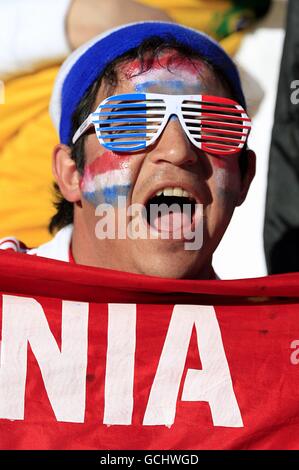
x=213 y=182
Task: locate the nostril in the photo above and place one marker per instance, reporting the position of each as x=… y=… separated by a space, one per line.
x=173 y=146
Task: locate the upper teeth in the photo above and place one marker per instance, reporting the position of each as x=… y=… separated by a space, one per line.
x=173 y=192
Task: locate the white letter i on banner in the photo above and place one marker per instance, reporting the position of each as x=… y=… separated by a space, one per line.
x=119 y=378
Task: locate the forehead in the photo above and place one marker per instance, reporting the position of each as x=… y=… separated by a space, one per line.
x=169 y=72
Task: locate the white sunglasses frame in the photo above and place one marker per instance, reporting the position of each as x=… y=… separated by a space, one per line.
x=173 y=105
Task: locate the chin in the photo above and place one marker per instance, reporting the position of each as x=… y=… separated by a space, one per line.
x=174 y=266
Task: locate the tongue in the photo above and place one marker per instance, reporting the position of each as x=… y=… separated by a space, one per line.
x=171 y=221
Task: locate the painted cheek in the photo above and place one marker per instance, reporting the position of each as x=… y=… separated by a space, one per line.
x=227 y=163
x=226 y=185
x=227 y=174
x=106 y=179
x=218 y=162
x=228 y=198
x=221 y=177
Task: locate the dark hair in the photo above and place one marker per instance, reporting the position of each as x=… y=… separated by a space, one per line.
x=148 y=51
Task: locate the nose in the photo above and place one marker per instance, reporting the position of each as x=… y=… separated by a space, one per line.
x=173 y=146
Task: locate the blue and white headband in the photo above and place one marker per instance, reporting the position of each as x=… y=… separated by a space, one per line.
x=88 y=62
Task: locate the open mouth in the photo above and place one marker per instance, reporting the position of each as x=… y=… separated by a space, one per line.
x=171 y=210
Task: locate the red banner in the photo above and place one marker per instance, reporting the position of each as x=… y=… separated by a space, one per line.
x=99 y=359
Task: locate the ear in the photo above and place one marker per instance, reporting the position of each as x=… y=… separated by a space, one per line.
x=248 y=177
x=66 y=173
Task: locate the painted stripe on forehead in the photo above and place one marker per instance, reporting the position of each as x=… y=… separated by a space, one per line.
x=166 y=61
x=170 y=86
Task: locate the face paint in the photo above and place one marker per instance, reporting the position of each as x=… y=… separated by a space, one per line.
x=163 y=81
x=154 y=85
x=221 y=177
x=171 y=74
x=227 y=185
x=167 y=61
x=106 y=178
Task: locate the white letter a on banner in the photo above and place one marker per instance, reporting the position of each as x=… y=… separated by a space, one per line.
x=212 y=384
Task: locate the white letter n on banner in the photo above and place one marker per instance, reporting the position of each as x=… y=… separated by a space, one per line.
x=63 y=372
x=212 y=384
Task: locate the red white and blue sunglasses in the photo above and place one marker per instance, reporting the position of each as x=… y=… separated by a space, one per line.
x=132 y=122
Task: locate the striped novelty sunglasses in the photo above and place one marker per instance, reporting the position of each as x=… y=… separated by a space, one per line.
x=132 y=122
